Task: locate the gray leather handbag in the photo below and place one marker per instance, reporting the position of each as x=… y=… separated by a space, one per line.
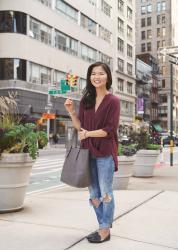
x=76 y=169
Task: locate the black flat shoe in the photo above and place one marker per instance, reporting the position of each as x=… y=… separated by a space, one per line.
x=97 y=239
x=91 y=235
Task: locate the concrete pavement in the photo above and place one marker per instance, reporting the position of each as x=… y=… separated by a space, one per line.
x=146 y=218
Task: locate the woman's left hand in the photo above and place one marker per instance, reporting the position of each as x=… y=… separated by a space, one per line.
x=82 y=134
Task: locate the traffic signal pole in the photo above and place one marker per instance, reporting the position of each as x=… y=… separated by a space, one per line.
x=171 y=114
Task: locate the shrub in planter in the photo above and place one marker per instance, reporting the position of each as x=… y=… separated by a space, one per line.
x=147 y=154
x=126 y=161
x=18 y=150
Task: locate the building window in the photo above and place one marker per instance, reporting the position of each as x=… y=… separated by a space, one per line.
x=148 y=46
x=163 y=83
x=143 y=10
x=120 y=65
x=158 y=19
x=129 y=87
x=120 y=25
x=129 y=50
x=143 y=23
x=82 y=83
x=163 y=19
x=58 y=76
x=120 y=45
x=13 y=21
x=149 y=8
x=12 y=68
x=143 y=47
x=164 y=31
x=121 y=6
x=158 y=32
x=105 y=59
x=129 y=68
x=89 y=24
x=129 y=13
x=66 y=43
x=129 y=32
x=164 y=70
x=93 y=2
x=88 y=54
x=105 y=34
x=46 y=2
x=67 y=10
x=158 y=44
x=106 y=8
x=39 y=74
x=126 y=108
x=163 y=43
x=120 y=84
x=149 y=36
x=158 y=7
x=40 y=31
x=148 y=21
x=163 y=6
x=143 y=36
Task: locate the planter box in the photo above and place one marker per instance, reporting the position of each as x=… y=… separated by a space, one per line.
x=15 y=169
x=125 y=170
x=145 y=162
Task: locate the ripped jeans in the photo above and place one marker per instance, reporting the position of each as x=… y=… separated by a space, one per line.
x=101 y=190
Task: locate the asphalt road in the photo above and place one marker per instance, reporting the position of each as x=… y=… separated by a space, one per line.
x=47 y=170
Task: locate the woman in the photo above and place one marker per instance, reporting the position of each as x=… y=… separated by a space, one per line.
x=97 y=124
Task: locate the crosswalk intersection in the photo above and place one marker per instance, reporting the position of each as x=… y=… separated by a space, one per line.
x=45 y=173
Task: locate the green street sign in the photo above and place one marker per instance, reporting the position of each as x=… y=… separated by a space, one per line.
x=56 y=92
x=64 y=86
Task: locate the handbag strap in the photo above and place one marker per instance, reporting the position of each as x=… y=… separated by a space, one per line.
x=75 y=142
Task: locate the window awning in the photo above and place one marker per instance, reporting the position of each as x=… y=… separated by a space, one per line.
x=157 y=127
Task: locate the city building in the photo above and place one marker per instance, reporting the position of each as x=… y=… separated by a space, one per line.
x=124 y=61
x=147 y=85
x=41 y=41
x=156 y=27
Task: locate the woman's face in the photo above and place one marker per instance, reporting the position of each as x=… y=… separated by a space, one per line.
x=98 y=77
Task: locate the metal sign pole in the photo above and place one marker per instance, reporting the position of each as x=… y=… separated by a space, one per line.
x=171 y=114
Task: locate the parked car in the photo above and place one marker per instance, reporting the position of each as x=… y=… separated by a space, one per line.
x=166 y=140
x=124 y=140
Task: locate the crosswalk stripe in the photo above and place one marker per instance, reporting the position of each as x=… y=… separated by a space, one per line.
x=46 y=172
x=47 y=161
x=47 y=165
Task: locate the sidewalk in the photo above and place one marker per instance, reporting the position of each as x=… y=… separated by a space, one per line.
x=146 y=218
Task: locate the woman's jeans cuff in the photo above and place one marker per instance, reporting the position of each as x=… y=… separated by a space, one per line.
x=105 y=225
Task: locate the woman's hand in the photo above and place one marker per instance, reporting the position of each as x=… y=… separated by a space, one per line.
x=82 y=134
x=69 y=105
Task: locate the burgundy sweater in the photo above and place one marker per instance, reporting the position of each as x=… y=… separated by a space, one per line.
x=107 y=118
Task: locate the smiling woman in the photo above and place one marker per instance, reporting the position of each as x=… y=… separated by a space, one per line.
x=97 y=124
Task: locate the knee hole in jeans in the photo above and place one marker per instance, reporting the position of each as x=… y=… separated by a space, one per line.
x=106 y=198
x=95 y=202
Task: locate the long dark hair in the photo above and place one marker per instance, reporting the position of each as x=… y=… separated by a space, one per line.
x=89 y=93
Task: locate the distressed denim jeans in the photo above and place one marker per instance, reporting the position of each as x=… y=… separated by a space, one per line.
x=102 y=171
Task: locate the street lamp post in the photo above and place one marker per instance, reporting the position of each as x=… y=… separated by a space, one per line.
x=48 y=108
x=171 y=114
x=171 y=52
x=173 y=60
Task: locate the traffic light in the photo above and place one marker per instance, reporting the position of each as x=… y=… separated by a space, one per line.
x=71 y=80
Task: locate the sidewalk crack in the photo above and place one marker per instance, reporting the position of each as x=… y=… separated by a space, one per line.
x=145 y=242
x=139 y=205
